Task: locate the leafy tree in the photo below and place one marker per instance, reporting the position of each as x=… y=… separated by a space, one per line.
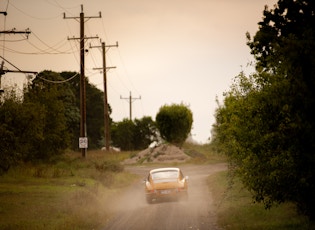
x=122 y=134
x=133 y=135
x=174 y=123
x=95 y=116
x=19 y=129
x=52 y=125
x=145 y=132
x=73 y=108
x=266 y=124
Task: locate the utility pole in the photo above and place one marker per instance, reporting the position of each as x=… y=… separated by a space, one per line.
x=2 y=71
x=130 y=99
x=106 y=114
x=83 y=141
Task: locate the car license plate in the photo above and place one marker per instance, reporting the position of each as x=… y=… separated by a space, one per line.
x=165 y=192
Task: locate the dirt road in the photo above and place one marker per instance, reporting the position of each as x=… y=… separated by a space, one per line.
x=132 y=211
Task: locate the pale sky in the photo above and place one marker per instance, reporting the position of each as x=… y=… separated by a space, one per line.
x=170 y=51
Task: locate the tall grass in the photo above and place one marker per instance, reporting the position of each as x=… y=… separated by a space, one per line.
x=237 y=211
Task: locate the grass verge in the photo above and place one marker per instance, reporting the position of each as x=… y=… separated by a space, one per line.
x=202 y=154
x=236 y=210
x=71 y=193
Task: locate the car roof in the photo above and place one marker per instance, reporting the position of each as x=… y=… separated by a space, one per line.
x=164 y=169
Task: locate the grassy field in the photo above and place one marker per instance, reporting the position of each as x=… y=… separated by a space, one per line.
x=237 y=211
x=71 y=193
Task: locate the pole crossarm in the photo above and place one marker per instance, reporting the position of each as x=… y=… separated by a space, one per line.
x=107 y=68
x=85 y=17
x=13 y=31
x=77 y=38
x=3 y=71
x=65 y=17
x=18 y=71
x=106 y=46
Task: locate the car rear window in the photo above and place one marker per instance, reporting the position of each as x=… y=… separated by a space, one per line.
x=164 y=174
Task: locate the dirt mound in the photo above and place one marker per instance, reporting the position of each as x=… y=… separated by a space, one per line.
x=164 y=153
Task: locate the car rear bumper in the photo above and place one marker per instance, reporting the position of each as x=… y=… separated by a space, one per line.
x=167 y=194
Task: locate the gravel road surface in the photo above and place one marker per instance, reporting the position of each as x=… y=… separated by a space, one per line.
x=132 y=212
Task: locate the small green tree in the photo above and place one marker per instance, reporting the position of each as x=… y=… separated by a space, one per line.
x=94 y=116
x=122 y=134
x=51 y=99
x=145 y=132
x=133 y=135
x=21 y=129
x=10 y=107
x=174 y=123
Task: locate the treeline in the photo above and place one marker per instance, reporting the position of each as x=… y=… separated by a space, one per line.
x=266 y=124
x=45 y=121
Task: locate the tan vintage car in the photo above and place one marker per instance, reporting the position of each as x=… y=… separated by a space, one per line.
x=166 y=183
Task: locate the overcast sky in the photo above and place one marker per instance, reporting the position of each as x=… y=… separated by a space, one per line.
x=170 y=51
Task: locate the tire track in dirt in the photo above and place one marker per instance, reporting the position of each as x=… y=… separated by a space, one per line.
x=132 y=212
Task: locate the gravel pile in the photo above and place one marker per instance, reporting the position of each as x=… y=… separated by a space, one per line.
x=164 y=153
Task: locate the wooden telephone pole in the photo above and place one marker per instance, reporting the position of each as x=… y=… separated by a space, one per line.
x=106 y=113
x=130 y=99
x=83 y=141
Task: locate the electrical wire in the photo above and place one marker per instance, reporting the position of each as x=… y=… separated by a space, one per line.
x=122 y=62
x=57 y=5
x=20 y=40
x=51 y=47
x=70 y=42
x=50 y=18
x=125 y=70
x=10 y=63
x=110 y=61
x=42 y=51
x=44 y=79
x=57 y=82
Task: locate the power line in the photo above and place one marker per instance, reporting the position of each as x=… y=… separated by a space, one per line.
x=31 y=16
x=58 y=82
